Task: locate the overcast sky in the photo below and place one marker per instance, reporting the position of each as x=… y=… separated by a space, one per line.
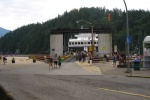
x=16 y=13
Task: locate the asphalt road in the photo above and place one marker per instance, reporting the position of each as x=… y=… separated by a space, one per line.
x=34 y=81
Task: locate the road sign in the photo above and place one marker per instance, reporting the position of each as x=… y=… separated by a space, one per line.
x=90 y=48
x=128 y=39
x=103 y=48
x=53 y=49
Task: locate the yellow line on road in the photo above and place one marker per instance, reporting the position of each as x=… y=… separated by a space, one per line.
x=128 y=93
x=9 y=94
x=83 y=67
x=88 y=67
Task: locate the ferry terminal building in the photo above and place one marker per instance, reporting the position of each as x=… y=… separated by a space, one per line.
x=102 y=40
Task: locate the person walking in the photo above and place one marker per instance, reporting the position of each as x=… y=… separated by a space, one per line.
x=59 y=61
x=114 y=60
x=74 y=55
x=4 y=60
x=83 y=56
x=50 y=62
x=104 y=58
x=55 y=61
x=80 y=56
x=90 y=59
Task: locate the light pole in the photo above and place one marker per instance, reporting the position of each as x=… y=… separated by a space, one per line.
x=92 y=34
x=127 y=28
x=85 y=46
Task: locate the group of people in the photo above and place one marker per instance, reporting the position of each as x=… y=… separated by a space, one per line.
x=80 y=56
x=54 y=61
x=136 y=59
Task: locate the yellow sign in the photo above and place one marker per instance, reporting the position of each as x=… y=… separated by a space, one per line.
x=90 y=48
x=103 y=48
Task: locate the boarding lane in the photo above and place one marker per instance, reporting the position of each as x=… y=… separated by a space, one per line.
x=24 y=65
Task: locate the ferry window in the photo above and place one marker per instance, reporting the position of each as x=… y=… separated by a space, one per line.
x=81 y=42
x=78 y=42
x=94 y=42
x=75 y=42
x=69 y=42
x=72 y=42
x=88 y=42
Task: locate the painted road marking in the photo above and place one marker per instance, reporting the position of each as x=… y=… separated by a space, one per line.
x=88 y=67
x=128 y=93
x=9 y=93
x=83 y=67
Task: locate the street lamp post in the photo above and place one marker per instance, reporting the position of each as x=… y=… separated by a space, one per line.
x=127 y=28
x=85 y=45
x=92 y=34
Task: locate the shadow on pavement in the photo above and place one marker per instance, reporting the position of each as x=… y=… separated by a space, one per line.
x=4 y=95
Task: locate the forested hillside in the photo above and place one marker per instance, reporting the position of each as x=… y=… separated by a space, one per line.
x=34 y=38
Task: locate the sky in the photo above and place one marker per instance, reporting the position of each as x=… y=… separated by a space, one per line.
x=17 y=13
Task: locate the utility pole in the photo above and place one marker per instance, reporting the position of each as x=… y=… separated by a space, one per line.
x=127 y=28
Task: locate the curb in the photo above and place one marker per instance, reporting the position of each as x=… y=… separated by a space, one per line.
x=137 y=76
